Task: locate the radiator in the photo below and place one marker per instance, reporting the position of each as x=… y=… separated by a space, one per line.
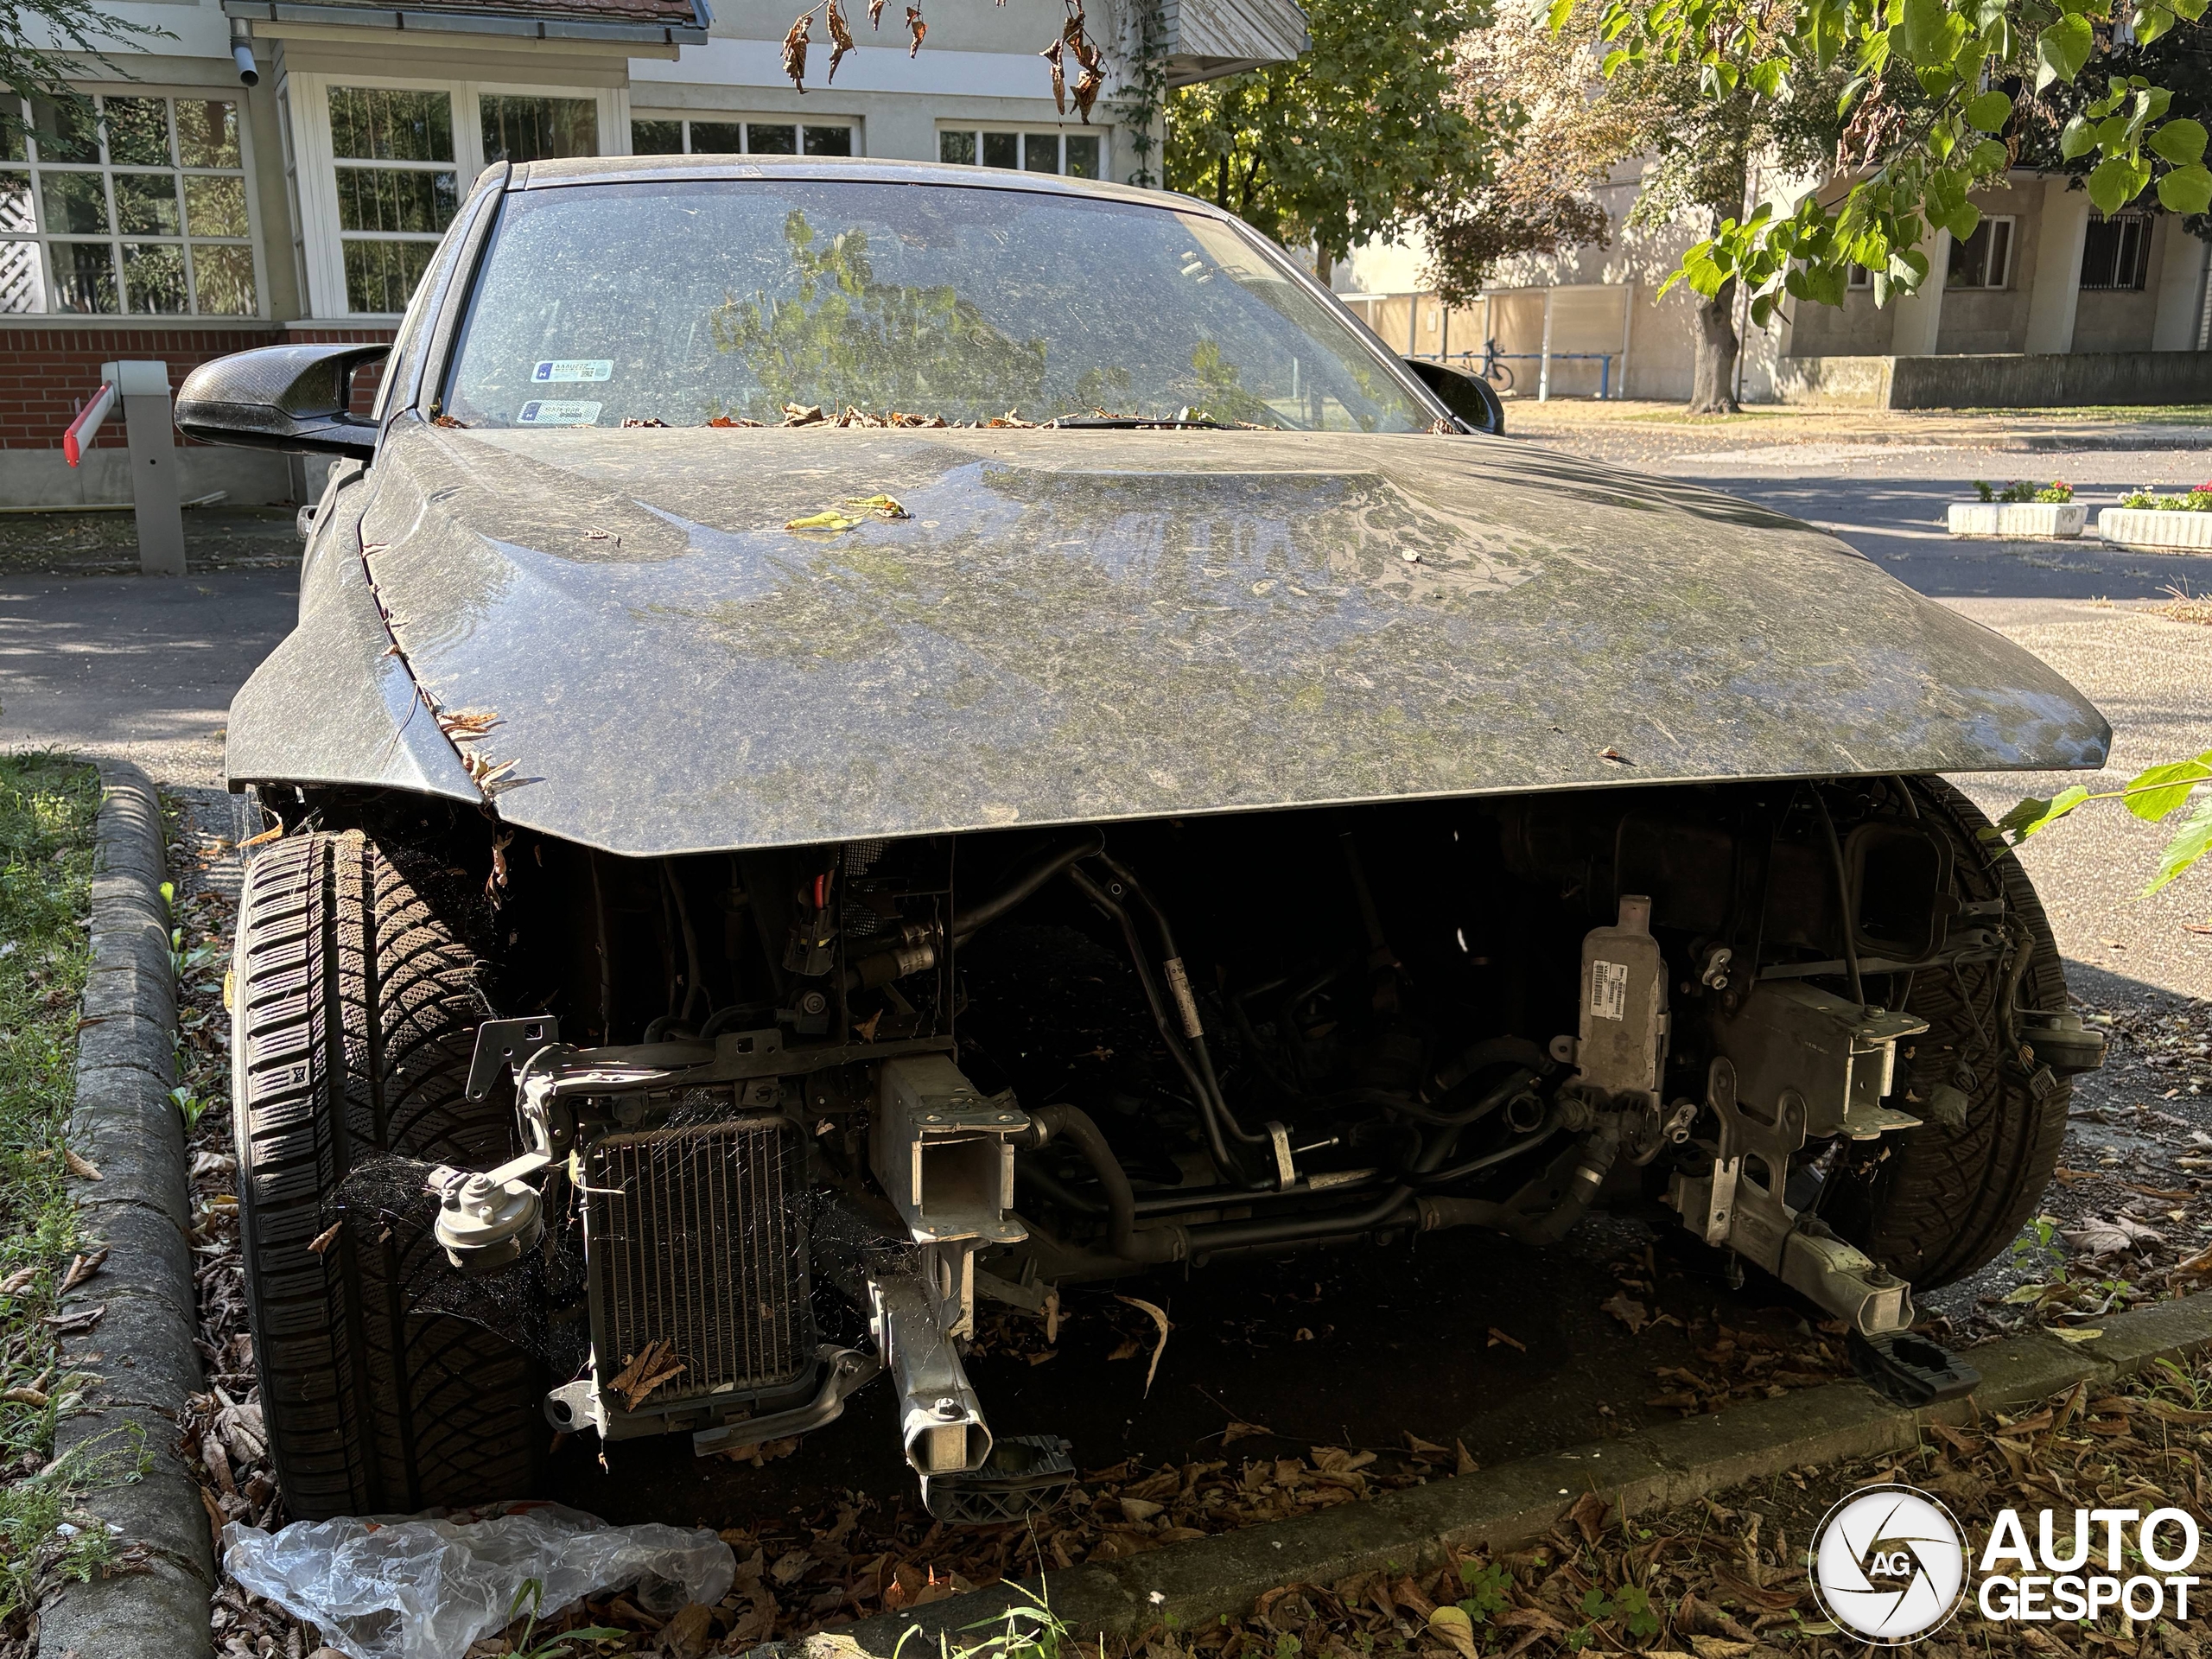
x=696 y=1237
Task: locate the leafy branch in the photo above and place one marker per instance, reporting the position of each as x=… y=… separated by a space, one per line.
x=2153 y=795
x=1928 y=112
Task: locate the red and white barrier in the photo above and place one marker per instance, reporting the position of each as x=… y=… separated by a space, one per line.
x=78 y=437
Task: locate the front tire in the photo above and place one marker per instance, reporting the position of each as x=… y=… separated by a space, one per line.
x=356 y=1002
x=1947 y=1201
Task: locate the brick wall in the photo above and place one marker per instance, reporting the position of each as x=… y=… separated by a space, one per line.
x=47 y=373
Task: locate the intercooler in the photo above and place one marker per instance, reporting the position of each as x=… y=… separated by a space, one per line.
x=696 y=1238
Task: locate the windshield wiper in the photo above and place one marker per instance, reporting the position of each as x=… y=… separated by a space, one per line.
x=1133 y=422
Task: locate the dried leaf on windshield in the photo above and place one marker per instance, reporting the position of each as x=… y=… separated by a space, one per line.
x=841 y=38
x=795 y=49
x=828 y=519
x=915 y=28
x=802 y=414
x=731 y=420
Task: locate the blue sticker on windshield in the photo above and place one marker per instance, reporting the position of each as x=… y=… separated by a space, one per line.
x=546 y=412
x=577 y=368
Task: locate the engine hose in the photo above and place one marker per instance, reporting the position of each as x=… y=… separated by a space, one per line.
x=1429 y=1177
x=1174 y=1201
x=1150 y=1246
x=1491 y=1051
x=1230 y=1234
x=1850 y=914
x=1033 y=876
x=1592 y=1160
x=1407 y=1106
x=1127 y=879
x=1230 y=1166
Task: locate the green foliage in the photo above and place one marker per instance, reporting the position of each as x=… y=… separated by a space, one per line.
x=1930 y=120
x=555 y=1645
x=2153 y=795
x=1489 y=1590
x=845 y=339
x=48 y=805
x=34 y=35
x=1347 y=145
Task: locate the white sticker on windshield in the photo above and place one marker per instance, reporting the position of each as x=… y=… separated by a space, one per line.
x=577 y=368
x=546 y=412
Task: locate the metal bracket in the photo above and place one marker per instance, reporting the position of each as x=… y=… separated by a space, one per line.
x=844 y=1371
x=940 y=1419
x=510 y=1043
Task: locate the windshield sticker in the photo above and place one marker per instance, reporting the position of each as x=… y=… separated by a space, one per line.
x=546 y=412
x=576 y=368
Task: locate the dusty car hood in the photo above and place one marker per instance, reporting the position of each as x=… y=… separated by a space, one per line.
x=1082 y=626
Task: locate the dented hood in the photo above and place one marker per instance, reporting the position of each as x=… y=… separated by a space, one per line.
x=1075 y=626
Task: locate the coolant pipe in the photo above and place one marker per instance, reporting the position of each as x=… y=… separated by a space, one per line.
x=1198 y=1038
x=1232 y=1234
x=1175 y=1200
x=1225 y=1160
x=1151 y=1246
x=1594 y=1160
x=1035 y=875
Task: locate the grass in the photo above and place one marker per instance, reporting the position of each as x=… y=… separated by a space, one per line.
x=48 y=805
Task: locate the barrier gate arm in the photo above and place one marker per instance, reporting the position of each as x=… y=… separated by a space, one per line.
x=78 y=437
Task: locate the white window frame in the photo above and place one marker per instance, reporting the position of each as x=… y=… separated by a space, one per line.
x=2012 y=257
x=750 y=119
x=1023 y=130
x=308 y=97
x=153 y=319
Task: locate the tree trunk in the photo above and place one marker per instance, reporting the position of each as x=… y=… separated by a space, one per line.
x=1712 y=382
x=1322 y=264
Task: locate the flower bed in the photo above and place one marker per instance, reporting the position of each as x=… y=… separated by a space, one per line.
x=2017 y=521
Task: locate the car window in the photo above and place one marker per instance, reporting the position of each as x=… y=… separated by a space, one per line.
x=686 y=302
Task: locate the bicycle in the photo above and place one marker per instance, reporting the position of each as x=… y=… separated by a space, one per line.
x=1493 y=367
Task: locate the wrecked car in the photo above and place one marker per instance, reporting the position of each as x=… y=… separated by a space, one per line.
x=867 y=737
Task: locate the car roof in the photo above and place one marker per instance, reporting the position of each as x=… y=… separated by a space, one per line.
x=629 y=170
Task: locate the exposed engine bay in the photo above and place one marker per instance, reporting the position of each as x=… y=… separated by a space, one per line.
x=782 y=1117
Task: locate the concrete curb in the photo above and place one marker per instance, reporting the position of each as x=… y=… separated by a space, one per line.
x=141 y=1354
x=1188 y=1585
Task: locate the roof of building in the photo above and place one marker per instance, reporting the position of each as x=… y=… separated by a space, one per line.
x=668 y=21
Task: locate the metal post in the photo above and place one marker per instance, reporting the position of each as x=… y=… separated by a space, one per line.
x=155 y=497
x=1413 y=318
x=1544 y=356
x=1443 y=344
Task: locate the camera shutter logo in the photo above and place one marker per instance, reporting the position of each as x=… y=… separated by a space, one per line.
x=1889 y=1564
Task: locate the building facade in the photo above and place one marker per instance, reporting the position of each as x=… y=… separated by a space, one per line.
x=196 y=214
x=2125 y=301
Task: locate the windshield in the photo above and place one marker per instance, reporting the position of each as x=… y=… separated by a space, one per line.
x=691 y=302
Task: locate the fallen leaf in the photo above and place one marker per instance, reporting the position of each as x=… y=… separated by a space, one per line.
x=1609 y=753
x=1467 y=1465
x=1451 y=1625
x=790 y=1567
x=271 y=834
x=1160 y=1319
x=329 y=1236
x=1421 y=1448
x=1139 y=1509
x=1588 y=1513
x=1632 y=1314
x=828 y=518
x=2076 y=1333
x=2101 y=1236
x=83 y=1269
x=686 y=1636
x=1236 y=1432
x=1498 y=1336
x=25 y=1394
x=82 y=1169
x=19 y=1281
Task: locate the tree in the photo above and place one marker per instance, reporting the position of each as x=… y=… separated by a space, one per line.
x=1347 y=145
x=1573 y=128
x=36 y=34
x=1929 y=116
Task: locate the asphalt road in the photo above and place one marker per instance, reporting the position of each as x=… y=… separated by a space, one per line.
x=1463 y=1337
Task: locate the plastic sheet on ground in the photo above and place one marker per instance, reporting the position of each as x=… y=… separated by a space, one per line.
x=399 y=1587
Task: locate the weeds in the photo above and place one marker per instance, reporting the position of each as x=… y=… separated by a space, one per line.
x=48 y=806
